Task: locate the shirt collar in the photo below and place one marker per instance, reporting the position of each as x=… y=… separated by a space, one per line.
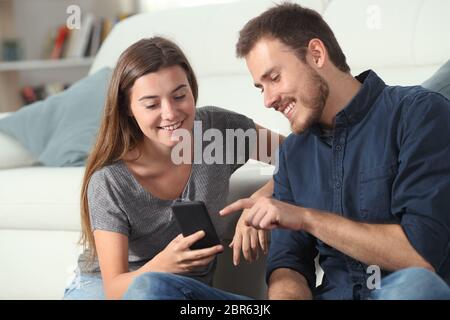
x=357 y=108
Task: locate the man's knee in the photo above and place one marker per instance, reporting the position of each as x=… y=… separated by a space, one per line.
x=412 y=283
x=414 y=277
x=414 y=274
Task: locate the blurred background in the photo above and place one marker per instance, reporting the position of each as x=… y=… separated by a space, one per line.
x=41 y=55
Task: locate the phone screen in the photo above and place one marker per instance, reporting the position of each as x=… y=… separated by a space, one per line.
x=192 y=216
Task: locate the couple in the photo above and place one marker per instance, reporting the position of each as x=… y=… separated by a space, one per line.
x=363 y=180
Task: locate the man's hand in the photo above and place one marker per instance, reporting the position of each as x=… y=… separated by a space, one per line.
x=249 y=240
x=267 y=213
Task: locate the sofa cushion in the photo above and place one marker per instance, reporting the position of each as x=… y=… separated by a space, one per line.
x=13 y=154
x=392 y=37
x=440 y=81
x=60 y=130
x=40 y=198
x=41 y=258
x=211 y=53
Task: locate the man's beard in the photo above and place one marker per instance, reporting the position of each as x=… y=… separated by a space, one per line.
x=314 y=102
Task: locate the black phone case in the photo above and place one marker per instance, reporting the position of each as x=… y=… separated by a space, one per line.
x=193 y=216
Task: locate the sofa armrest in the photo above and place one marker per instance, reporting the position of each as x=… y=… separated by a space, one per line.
x=248 y=278
x=243 y=183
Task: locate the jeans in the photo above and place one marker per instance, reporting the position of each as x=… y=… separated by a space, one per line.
x=405 y=284
x=168 y=286
x=149 y=286
x=85 y=287
x=412 y=284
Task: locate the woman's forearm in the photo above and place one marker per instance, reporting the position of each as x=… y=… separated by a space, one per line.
x=116 y=287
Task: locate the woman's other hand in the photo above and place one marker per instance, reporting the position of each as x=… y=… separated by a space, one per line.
x=248 y=240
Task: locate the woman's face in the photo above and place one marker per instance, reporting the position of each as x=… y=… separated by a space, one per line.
x=162 y=102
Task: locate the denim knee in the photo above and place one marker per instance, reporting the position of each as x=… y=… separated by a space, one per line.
x=155 y=286
x=412 y=284
x=85 y=287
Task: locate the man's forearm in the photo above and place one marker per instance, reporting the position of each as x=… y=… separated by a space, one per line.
x=385 y=245
x=287 y=284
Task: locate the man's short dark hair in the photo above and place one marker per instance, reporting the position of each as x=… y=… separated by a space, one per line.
x=294 y=26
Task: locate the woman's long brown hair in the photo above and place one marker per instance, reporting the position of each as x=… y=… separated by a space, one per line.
x=119 y=132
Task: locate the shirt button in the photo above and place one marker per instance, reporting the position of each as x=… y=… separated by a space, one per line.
x=337 y=185
x=338 y=148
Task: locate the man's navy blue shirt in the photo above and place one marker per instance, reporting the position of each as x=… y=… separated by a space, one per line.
x=387 y=161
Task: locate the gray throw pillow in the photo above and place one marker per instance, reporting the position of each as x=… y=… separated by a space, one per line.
x=440 y=81
x=60 y=130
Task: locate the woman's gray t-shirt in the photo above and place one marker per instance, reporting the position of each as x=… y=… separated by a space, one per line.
x=118 y=203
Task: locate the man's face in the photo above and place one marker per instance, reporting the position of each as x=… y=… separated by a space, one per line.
x=289 y=85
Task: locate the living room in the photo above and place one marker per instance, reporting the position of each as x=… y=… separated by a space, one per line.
x=56 y=61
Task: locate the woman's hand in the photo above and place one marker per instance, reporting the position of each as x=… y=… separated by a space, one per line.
x=178 y=258
x=248 y=239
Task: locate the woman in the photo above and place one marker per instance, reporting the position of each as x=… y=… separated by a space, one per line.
x=131 y=180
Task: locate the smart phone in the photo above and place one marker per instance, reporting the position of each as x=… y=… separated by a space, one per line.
x=192 y=216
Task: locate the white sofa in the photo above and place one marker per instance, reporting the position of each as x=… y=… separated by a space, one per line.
x=403 y=40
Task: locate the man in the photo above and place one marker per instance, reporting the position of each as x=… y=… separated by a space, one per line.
x=364 y=181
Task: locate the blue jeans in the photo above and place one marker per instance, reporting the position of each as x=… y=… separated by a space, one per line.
x=406 y=284
x=412 y=284
x=149 y=286
x=168 y=286
x=85 y=287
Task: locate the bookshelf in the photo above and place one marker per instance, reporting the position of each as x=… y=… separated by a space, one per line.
x=45 y=64
x=29 y=24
